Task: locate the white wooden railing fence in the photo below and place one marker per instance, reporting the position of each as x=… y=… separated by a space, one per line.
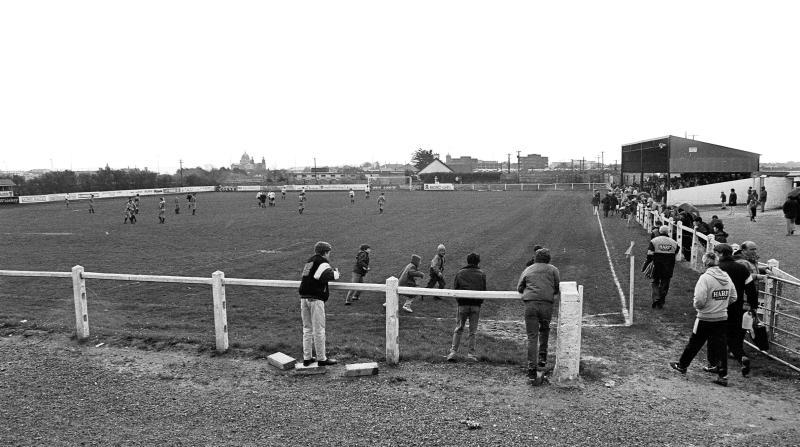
x=568 y=344
x=770 y=297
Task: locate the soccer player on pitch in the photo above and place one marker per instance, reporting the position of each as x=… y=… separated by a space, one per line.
x=381 y=202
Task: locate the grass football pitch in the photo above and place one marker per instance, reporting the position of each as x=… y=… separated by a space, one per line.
x=230 y=233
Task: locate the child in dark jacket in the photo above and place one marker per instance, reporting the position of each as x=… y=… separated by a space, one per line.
x=408 y=278
x=468 y=278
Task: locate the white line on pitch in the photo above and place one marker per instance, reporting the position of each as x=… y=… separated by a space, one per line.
x=613 y=272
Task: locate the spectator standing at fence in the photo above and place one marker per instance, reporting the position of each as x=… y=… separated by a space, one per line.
x=317 y=273
x=762 y=198
x=752 y=206
x=723 y=199
x=91 y=204
x=360 y=269
x=732 y=201
x=748 y=256
x=436 y=270
x=713 y=293
x=719 y=233
x=136 y=204
x=381 y=203
x=791 y=212
x=177 y=206
x=352 y=195
x=607 y=203
x=162 y=211
x=408 y=278
x=596 y=203
x=714 y=220
x=539 y=286
x=283 y=192
x=536 y=248
x=661 y=252
x=470 y=277
x=745 y=286
x=656 y=231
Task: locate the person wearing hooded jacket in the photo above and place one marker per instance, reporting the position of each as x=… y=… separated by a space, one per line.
x=745 y=286
x=408 y=278
x=317 y=272
x=713 y=293
x=437 y=270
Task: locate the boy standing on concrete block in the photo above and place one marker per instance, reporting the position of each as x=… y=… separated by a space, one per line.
x=317 y=272
x=470 y=277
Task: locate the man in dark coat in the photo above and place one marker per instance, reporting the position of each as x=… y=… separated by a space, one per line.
x=745 y=286
x=661 y=252
x=470 y=277
x=791 y=211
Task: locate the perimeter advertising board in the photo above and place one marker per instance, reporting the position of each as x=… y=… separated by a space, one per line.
x=439 y=187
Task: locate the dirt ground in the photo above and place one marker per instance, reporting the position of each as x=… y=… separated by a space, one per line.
x=57 y=391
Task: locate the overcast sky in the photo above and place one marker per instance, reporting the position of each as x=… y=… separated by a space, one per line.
x=149 y=83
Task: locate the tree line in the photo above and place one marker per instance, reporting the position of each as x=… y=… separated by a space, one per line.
x=107 y=179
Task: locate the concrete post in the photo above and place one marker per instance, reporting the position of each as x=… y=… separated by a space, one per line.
x=220 y=310
x=392 y=323
x=568 y=344
x=81 y=307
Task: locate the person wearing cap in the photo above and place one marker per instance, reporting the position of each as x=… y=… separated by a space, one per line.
x=317 y=272
x=745 y=286
x=713 y=293
x=470 y=277
x=539 y=284
x=408 y=278
x=437 y=270
x=360 y=268
x=732 y=201
x=661 y=252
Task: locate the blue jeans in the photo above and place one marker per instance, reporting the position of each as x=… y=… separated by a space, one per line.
x=537 y=326
x=313 y=314
x=471 y=313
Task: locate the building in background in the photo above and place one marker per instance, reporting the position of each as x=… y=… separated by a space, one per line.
x=532 y=161
x=6 y=187
x=247 y=164
x=677 y=162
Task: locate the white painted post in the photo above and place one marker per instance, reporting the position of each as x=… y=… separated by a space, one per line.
x=392 y=323
x=671 y=225
x=630 y=291
x=712 y=242
x=770 y=301
x=220 y=310
x=81 y=307
x=568 y=343
x=693 y=251
x=679 y=239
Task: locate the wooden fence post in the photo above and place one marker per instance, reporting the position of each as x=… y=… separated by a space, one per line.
x=771 y=293
x=392 y=322
x=568 y=343
x=81 y=308
x=220 y=310
x=679 y=239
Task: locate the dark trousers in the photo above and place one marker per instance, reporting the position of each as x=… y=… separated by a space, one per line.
x=734 y=334
x=435 y=280
x=660 y=288
x=712 y=332
x=537 y=326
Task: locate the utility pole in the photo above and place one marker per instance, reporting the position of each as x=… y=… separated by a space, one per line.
x=602 y=160
x=519 y=168
x=181 y=163
x=509 y=163
x=315 y=169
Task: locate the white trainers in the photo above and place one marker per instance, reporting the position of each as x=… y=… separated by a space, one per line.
x=407 y=308
x=451 y=356
x=472 y=358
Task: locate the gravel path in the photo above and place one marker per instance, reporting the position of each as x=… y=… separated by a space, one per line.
x=58 y=392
